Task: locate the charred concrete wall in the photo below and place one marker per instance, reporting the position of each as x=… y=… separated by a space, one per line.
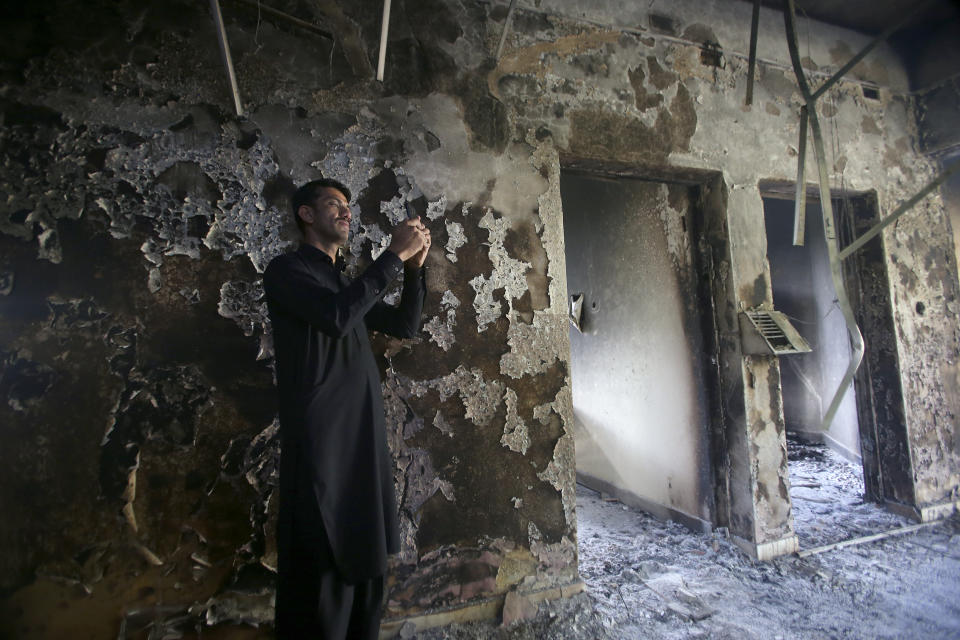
x=665 y=87
x=139 y=441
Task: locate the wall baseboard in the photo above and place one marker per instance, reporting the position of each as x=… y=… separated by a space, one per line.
x=657 y=510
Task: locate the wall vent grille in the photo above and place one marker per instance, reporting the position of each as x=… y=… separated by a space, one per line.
x=768 y=332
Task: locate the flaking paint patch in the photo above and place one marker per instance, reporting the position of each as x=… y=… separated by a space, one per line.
x=455 y=240
x=769 y=453
x=561 y=473
x=549 y=225
x=441 y=424
x=553 y=559
x=394 y=209
x=480 y=397
x=441 y=326
x=678 y=240
x=515 y=436
x=436 y=208
x=508 y=274
x=447 y=576
x=244 y=303
x=242 y=224
x=534 y=347
x=414 y=475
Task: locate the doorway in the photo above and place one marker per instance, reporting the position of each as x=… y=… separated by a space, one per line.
x=641 y=409
x=836 y=473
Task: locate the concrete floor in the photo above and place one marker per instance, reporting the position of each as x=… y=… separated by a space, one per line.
x=651 y=579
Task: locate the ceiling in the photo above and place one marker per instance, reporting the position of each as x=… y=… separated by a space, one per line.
x=873 y=16
x=928 y=41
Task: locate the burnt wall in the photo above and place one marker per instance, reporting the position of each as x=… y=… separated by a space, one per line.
x=139 y=440
x=140 y=444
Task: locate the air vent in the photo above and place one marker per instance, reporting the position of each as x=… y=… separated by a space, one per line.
x=663 y=24
x=764 y=332
x=711 y=55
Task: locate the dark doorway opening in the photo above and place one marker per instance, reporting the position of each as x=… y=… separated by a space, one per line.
x=803 y=289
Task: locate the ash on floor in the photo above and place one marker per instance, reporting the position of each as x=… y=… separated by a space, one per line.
x=826 y=490
x=651 y=579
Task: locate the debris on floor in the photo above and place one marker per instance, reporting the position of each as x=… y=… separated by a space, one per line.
x=651 y=579
x=826 y=491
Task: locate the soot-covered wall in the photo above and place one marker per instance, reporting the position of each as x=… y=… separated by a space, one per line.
x=138 y=439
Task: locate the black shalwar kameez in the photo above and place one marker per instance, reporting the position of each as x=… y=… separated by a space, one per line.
x=337 y=506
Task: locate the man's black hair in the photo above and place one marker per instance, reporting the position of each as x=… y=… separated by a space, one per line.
x=309 y=192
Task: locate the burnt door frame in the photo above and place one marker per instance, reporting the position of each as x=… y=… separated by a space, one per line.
x=881 y=412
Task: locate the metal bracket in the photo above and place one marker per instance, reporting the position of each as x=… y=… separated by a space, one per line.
x=800 y=201
x=506 y=28
x=576 y=311
x=384 y=28
x=899 y=211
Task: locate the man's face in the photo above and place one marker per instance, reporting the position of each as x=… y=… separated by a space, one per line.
x=331 y=216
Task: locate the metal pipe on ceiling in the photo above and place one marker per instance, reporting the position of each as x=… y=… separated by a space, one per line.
x=800 y=201
x=286 y=16
x=754 y=31
x=899 y=211
x=829 y=231
x=384 y=28
x=889 y=31
x=225 y=53
x=506 y=28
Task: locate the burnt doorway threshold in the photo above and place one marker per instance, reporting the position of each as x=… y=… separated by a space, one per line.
x=828 y=498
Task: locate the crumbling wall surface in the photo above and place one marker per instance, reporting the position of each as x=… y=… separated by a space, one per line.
x=662 y=89
x=926 y=309
x=140 y=443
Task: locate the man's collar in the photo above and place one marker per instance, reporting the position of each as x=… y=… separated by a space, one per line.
x=311 y=252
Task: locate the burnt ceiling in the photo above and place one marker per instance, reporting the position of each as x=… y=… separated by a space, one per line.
x=927 y=41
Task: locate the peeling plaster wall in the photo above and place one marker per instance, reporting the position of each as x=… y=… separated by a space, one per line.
x=620 y=87
x=139 y=439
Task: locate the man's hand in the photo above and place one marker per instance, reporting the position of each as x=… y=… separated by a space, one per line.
x=420 y=257
x=410 y=241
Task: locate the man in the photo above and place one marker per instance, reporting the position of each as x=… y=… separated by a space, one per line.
x=338 y=518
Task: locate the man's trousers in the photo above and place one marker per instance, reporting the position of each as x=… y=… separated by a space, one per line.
x=313 y=601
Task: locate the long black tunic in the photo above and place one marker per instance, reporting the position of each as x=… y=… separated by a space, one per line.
x=333 y=445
